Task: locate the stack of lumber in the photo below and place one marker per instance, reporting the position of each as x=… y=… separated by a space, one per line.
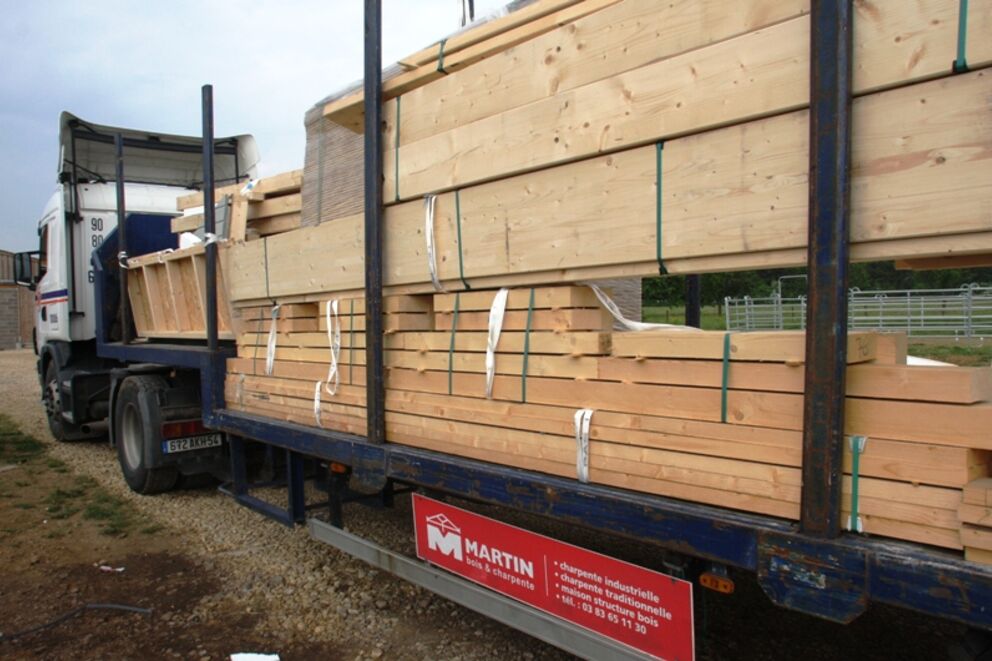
x=976 y=520
x=660 y=425
x=167 y=289
x=262 y=208
x=547 y=155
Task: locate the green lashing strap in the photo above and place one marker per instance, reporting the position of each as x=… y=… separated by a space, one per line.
x=458 y=227
x=451 y=348
x=351 y=345
x=960 y=64
x=857 y=443
x=659 y=148
x=396 y=151
x=440 y=57
x=725 y=377
x=523 y=371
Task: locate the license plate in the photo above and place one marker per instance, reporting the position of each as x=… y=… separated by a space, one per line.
x=188 y=443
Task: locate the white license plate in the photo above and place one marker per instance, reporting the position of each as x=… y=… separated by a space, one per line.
x=191 y=443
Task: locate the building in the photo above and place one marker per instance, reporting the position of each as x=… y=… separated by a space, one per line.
x=16 y=307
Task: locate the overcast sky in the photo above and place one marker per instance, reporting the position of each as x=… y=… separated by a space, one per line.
x=141 y=64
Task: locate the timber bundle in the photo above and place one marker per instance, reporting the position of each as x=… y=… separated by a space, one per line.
x=578 y=140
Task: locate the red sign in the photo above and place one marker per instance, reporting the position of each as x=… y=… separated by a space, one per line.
x=644 y=609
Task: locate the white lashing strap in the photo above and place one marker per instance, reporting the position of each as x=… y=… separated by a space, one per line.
x=249 y=187
x=270 y=350
x=629 y=324
x=496 y=313
x=122 y=260
x=430 y=202
x=334 y=342
x=583 y=420
x=163 y=253
x=210 y=237
x=316 y=403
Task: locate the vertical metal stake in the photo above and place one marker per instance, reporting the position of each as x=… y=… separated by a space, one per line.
x=375 y=384
x=693 y=301
x=125 y=304
x=828 y=255
x=209 y=215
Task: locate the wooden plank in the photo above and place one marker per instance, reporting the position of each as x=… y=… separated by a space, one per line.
x=937 y=263
x=913 y=462
x=937 y=384
x=891 y=348
x=964 y=426
x=192 y=296
x=165 y=255
x=138 y=295
x=779 y=346
x=693 y=91
x=283 y=182
x=274 y=224
x=746 y=203
x=189 y=223
x=978 y=492
x=615 y=39
x=275 y=206
x=917 y=506
x=976 y=537
x=348 y=111
x=519 y=299
x=571 y=344
x=978 y=555
x=979 y=515
x=540 y=320
x=184 y=317
x=390 y=305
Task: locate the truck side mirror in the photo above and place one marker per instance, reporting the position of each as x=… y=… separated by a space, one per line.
x=24 y=273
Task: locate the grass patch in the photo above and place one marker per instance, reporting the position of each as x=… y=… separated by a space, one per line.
x=113 y=514
x=152 y=529
x=969 y=356
x=711 y=317
x=15 y=446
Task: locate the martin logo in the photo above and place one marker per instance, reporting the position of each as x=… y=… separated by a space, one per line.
x=444 y=536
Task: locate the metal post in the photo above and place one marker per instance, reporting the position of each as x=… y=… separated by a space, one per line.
x=209 y=215
x=125 y=304
x=828 y=254
x=693 y=301
x=375 y=384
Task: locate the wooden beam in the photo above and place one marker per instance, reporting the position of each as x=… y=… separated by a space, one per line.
x=737 y=193
x=462 y=49
x=624 y=36
x=187 y=223
x=276 y=184
x=693 y=92
x=780 y=346
x=952 y=262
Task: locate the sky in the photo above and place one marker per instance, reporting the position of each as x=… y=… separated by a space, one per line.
x=140 y=64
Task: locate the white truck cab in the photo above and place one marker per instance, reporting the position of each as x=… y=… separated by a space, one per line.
x=82 y=217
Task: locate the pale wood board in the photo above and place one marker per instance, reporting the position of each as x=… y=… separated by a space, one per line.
x=717 y=204
x=693 y=91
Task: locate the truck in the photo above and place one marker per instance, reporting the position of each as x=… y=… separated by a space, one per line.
x=161 y=404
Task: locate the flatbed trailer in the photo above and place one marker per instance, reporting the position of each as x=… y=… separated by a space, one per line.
x=812 y=566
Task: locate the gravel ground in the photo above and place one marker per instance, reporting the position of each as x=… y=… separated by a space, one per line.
x=306 y=591
x=309 y=593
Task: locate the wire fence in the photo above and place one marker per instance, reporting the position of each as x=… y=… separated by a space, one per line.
x=965 y=312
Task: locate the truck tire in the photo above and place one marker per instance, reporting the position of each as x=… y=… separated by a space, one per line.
x=138 y=422
x=52 y=400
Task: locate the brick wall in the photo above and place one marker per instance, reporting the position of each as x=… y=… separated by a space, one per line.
x=10 y=323
x=27 y=306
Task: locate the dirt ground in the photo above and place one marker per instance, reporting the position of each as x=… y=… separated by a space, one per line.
x=65 y=542
x=218 y=578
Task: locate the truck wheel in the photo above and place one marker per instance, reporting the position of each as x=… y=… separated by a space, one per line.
x=52 y=400
x=138 y=422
